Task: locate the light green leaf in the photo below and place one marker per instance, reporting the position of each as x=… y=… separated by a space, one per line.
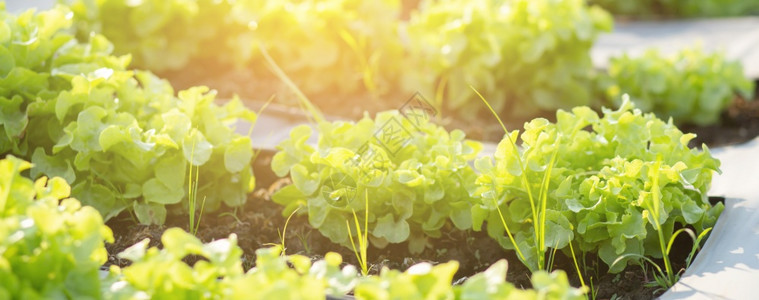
x=113 y=135
x=197 y=150
x=238 y=154
x=149 y=213
x=51 y=166
x=155 y=192
x=171 y=171
x=409 y=178
x=390 y=229
x=305 y=182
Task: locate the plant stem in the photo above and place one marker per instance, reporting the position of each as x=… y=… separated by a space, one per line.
x=525 y=183
x=656 y=199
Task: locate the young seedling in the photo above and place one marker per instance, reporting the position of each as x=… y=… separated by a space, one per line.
x=232 y=214
x=363 y=242
x=538 y=207
x=283 y=234
x=668 y=277
x=192 y=195
x=577 y=268
x=305 y=104
x=366 y=70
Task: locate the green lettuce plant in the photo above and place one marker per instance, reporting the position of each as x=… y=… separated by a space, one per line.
x=690 y=86
x=595 y=174
x=524 y=56
x=416 y=176
x=121 y=138
x=162 y=274
x=167 y=34
x=425 y=281
x=349 y=39
x=51 y=247
x=652 y=202
x=682 y=8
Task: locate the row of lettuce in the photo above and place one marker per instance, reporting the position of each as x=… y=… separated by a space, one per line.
x=680 y=8
x=563 y=186
x=53 y=247
x=525 y=56
x=123 y=140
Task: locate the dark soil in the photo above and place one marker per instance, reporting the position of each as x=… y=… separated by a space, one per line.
x=740 y=123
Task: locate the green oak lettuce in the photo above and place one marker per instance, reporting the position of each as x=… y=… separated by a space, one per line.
x=687 y=8
x=425 y=281
x=416 y=175
x=600 y=183
x=161 y=274
x=167 y=34
x=690 y=86
x=524 y=56
x=122 y=138
x=349 y=39
x=51 y=247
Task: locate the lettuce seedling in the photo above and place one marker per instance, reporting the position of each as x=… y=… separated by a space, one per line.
x=600 y=176
x=417 y=178
x=524 y=56
x=690 y=86
x=51 y=247
x=691 y=9
x=353 y=40
x=122 y=138
x=425 y=281
x=162 y=273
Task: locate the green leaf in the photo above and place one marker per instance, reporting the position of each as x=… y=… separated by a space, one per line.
x=156 y=192
x=113 y=135
x=7 y=61
x=149 y=213
x=51 y=166
x=290 y=196
x=5 y=32
x=393 y=231
x=12 y=117
x=171 y=171
x=197 y=150
x=98 y=196
x=409 y=178
x=179 y=243
x=559 y=231
x=238 y=154
x=305 y=182
x=318 y=208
